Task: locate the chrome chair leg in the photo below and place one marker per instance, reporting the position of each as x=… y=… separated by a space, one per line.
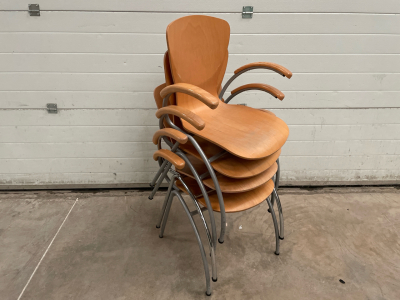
x=210 y=239
x=171 y=183
x=281 y=227
x=160 y=180
x=166 y=214
x=277 y=240
x=196 y=232
x=276 y=182
x=278 y=175
x=153 y=182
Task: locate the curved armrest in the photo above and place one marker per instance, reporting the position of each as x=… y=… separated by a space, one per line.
x=183 y=113
x=174 y=159
x=192 y=90
x=266 y=65
x=257 y=65
x=178 y=136
x=257 y=86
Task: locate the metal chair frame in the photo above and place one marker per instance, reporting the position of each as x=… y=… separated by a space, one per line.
x=173 y=191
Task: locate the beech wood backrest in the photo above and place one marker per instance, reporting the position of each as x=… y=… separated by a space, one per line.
x=198 y=54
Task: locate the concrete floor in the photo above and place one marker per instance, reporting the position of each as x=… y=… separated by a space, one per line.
x=105 y=246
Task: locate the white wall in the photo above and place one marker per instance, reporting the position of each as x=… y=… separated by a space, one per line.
x=100 y=61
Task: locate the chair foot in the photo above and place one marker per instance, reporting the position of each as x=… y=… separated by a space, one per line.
x=208 y=294
x=215 y=280
x=160 y=236
x=150 y=198
x=157 y=226
x=276 y=253
x=269 y=210
x=281 y=238
x=220 y=241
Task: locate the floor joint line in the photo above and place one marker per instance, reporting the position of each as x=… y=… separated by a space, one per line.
x=48 y=247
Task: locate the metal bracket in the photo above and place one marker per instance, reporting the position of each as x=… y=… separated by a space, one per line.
x=52 y=108
x=34 y=10
x=247 y=12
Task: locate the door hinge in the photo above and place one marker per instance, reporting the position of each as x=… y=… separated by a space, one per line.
x=52 y=108
x=247 y=12
x=34 y=10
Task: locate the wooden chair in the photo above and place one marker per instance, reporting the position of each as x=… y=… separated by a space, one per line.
x=198 y=54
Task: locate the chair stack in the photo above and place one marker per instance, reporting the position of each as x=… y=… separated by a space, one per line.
x=225 y=157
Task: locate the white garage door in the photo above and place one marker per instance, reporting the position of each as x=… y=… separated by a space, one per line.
x=99 y=61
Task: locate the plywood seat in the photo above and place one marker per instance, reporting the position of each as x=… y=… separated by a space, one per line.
x=230 y=165
x=243 y=131
x=233 y=202
x=229 y=185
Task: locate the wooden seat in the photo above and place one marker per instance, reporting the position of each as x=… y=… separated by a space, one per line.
x=197 y=49
x=229 y=185
x=233 y=202
x=230 y=165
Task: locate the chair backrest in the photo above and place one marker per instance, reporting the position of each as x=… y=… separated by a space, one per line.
x=198 y=53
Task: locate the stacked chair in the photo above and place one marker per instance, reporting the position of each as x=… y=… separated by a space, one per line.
x=224 y=156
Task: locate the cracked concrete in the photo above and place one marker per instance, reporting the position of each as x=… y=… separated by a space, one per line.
x=108 y=247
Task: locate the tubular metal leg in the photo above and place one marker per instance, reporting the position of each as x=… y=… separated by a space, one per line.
x=205 y=195
x=278 y=203
x=217 y=188
x=275 y=226
x=278 y=175
x=209 y=237
x=153 y=182
x=272 y=201
x=160 y=180
x=165 y=202
x=196 y=232
x=166 y=214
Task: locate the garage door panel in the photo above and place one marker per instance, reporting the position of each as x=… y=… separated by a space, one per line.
x=145 y=82
x=151 y=22
x=145 y=100
x=75 y=180
x=71 y=134
x=84 y=165
x=68 y=134
x=146 y=117
x=384 y=6
x=153 y=63
x=137 y=43
x=142 y=149
x=341 y=177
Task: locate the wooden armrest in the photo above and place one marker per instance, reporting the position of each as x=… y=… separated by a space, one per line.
x=174 y=159
x=267 y=65
x=192 y=90
x=178 y=136
x=183 y=113
x=157 y=97
x=263 y=87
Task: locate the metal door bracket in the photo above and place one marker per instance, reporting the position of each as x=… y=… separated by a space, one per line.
x=247 y=12
x=34 y=10
x=52 y=108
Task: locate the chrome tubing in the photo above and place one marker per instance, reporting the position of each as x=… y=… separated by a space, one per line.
x=277 y=240
x=281 y=227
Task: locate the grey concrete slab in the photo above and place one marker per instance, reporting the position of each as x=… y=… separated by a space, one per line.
x=28 y=222
x=109 y=249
